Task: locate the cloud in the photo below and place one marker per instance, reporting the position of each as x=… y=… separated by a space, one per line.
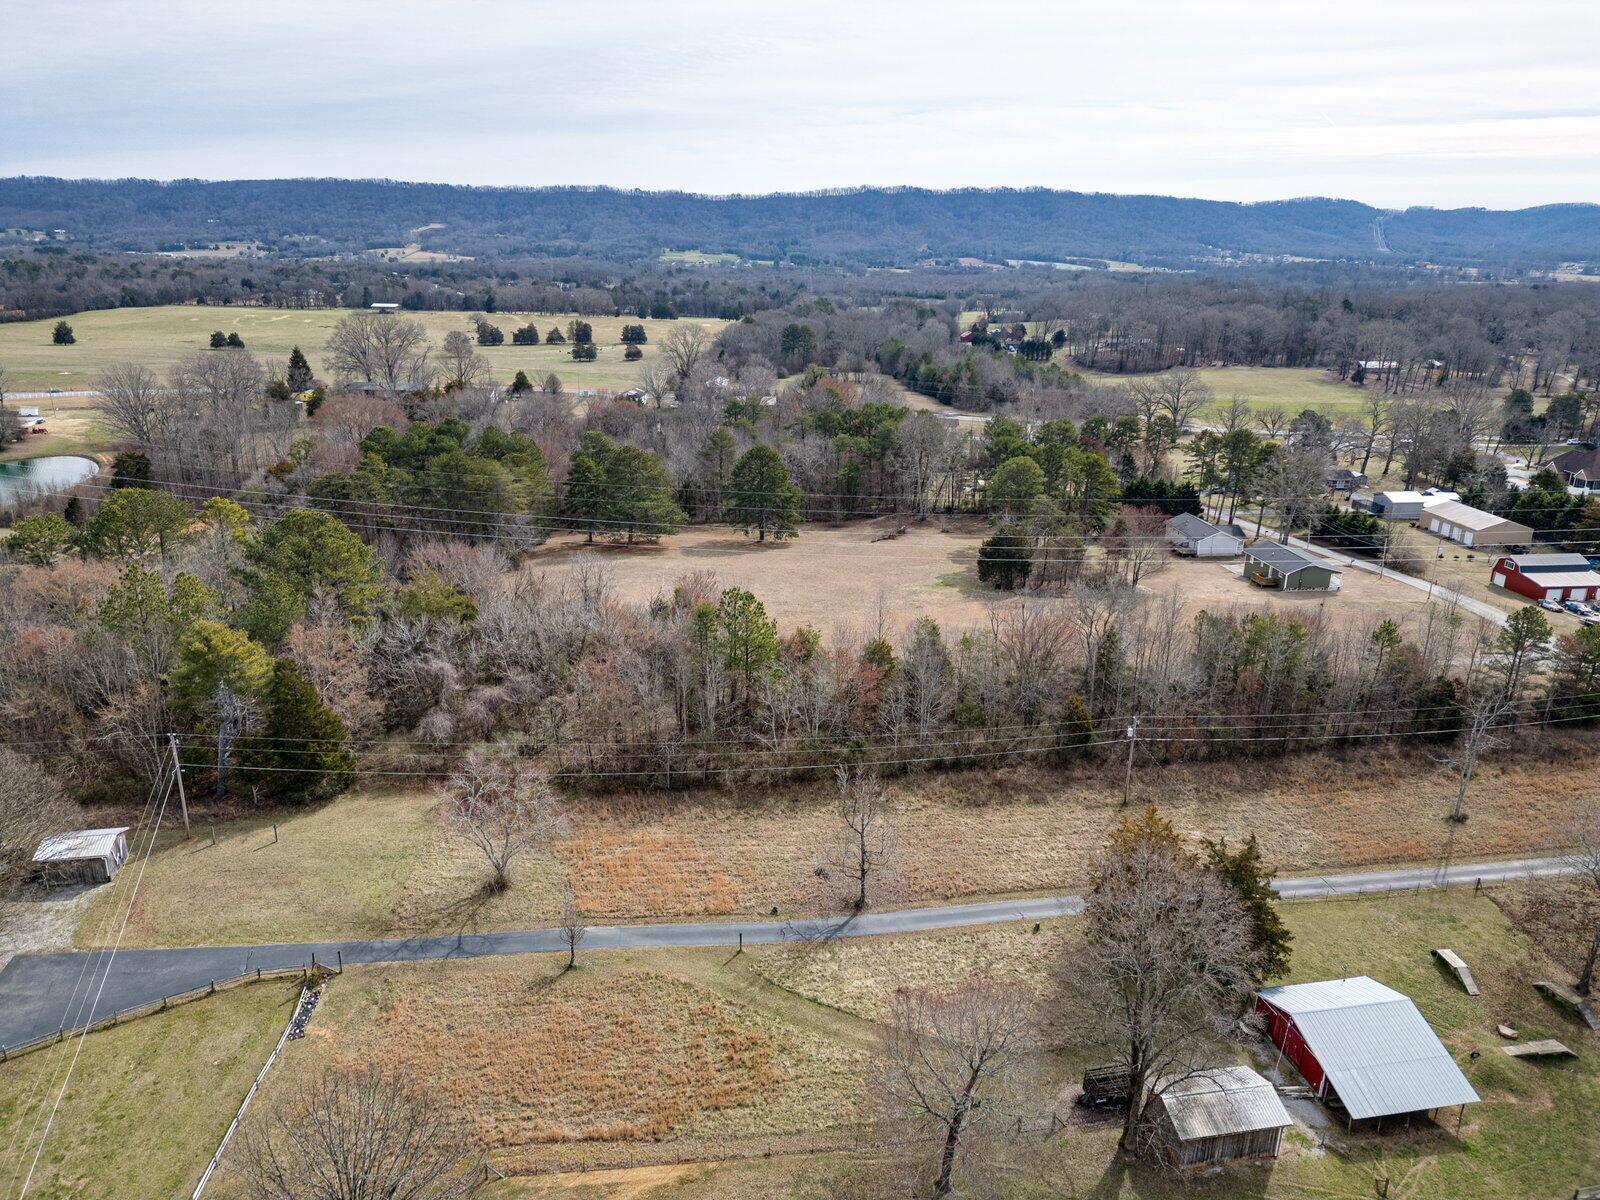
x=1426 y=102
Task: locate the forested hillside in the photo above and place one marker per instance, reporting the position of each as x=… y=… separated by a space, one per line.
x=870 y=226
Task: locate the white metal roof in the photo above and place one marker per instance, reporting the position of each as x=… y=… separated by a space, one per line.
x=1464 y=516
x=1380 y=1054
x=81 y=843
x=1401 y=497
x=1221 y=1101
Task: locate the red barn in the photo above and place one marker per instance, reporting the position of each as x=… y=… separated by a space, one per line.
x=1546 y=576
x=1363 y=1045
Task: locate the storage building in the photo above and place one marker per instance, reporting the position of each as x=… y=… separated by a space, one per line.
x=1189 y=534
x=1457 y=522
x=1546 y=576
x=1398 y=506
x=84 y=856
x=1217 y=1116
x=1363 y=1046
x=1271 y=565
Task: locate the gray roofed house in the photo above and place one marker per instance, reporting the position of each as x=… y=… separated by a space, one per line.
x=1218 y=1115
x=1268 y=564
x=1189 y=534
x=1580 y=467
x=1365 y=1045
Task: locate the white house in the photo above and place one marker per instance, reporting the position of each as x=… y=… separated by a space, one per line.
x=1192 y=535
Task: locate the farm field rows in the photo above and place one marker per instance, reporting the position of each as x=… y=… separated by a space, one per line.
x=160 y=337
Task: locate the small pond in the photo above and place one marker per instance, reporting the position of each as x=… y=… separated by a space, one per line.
x=27 y=477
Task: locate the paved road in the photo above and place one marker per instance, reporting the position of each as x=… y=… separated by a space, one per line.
x=39 y=993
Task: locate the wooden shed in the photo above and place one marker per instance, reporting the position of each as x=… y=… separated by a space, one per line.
x=82 y=856
x=1224 y=1114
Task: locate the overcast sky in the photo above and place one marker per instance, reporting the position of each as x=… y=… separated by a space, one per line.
x=1393 y=102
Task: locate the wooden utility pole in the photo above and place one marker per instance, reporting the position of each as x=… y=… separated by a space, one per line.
x=177 y=773
x=1127 y=779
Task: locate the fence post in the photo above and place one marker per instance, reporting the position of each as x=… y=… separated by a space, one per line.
x=340 y=953
x=274 y=833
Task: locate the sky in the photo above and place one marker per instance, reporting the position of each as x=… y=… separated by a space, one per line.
x=1392 y=102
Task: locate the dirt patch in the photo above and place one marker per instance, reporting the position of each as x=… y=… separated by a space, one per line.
x=39 y=921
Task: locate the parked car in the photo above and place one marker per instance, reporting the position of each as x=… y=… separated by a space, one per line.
x=1549 y=606
x=1576 y=607
x=1586 y=622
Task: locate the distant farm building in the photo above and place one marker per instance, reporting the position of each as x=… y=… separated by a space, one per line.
x=1364 y=1047
x=385 y=306
x=1379 y=366
x=1291 y=570
x=1218 y=1116
x=1457 y=522
x=84 y=856
x=1546 y=576
x=1578 y=467
x=1189 y=534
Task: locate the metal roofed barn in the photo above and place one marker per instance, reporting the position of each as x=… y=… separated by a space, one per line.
x=1365 y=1045
x=82 y=856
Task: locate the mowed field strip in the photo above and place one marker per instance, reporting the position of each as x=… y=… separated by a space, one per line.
x=160 y=337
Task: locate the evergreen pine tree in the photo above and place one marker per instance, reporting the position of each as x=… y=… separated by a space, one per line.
x=299 y=377
x=1244 y=871
x=760 y=496
x=521 y=384
x=300 y=753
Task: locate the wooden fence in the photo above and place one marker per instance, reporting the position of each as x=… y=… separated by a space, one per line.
x=145 y=1010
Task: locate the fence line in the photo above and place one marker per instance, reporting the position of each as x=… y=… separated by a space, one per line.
x=216 y=1159
x=143 y=1010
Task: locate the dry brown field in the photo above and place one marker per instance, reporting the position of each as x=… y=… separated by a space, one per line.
x=837 y=578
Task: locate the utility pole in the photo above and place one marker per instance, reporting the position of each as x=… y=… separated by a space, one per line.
x=1127 y=779
x=177 y=772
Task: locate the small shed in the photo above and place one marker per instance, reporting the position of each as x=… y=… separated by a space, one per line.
x=1219 y=1115
x=1457 y=522
x=1189 y=534
x=83 y=856
x=1271 y=565
x=384 y=306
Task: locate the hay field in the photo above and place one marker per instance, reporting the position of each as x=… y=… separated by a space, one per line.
x=560 y=1068
x=1289 y=388
x=738 y=852
x=159 y=337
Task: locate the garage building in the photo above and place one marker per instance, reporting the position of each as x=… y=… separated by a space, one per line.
x=1272 y=565
x=1457 y=522
x=1546 y=576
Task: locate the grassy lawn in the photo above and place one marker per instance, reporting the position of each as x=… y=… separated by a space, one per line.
x=148 y=1101
x=335 y=870
x=1292 y=389
x=159 y=337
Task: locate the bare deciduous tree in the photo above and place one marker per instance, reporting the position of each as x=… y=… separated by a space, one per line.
x=506 y=807
x=362 y=1134
x=684 y=346
x=129 y=396
x=573 y=930
x=32 y=806
x=1486 y=707
x=1165 y=962
x=387 y=351
x=947 y=1068
x=463 y=366
x=866 y=849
